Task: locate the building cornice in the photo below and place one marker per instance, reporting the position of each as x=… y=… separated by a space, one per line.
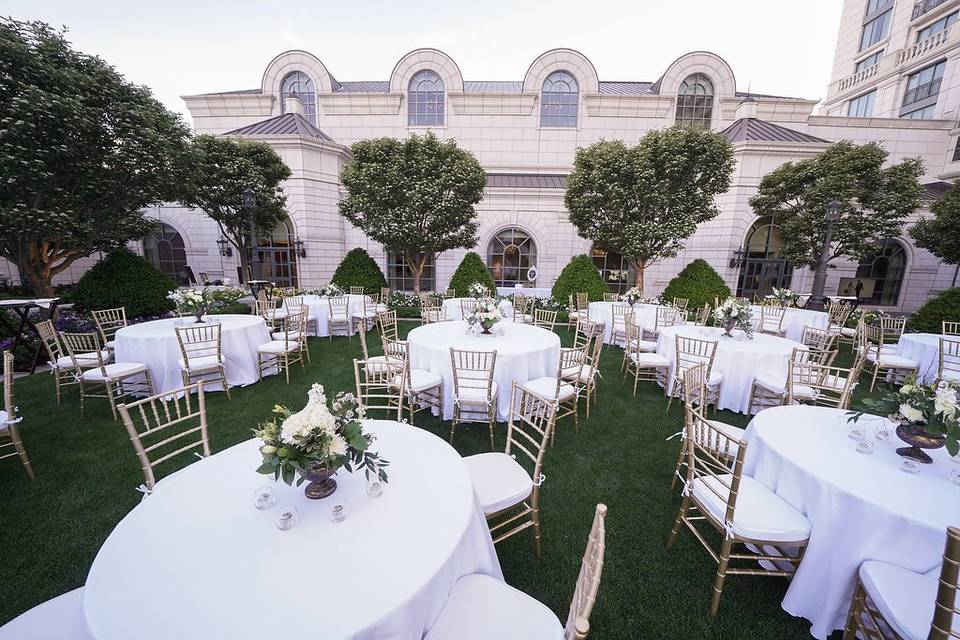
x=493 y=104
x=880 y=123
x=773 y=110
x=628 y=106
x=229 y=104
x=359 y=103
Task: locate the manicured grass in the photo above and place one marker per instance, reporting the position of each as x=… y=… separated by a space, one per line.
x=87 y=473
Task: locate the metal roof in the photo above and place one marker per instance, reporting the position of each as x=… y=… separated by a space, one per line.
x=526 y=181
x=286 y=124
x=935 y=190
x=626 y=88
x=364 y=86
x=756 y=130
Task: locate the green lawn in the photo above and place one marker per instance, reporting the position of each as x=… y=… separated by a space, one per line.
x=86 y=474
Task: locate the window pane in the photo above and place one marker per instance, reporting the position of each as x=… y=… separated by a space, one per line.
x=868 y=62
x=509 y=255
x=936 y=27
x=695 y=102
x=300 y=85
x=559 y=101
x=862 y=106
x=887 y=269
x=400 y=277
x=426 y=100
x=875 y=30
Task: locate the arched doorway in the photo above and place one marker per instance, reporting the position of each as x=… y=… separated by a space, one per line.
x=164 y=249
x=762 y=266
x=886 y=268
x=278 y=255
x=510 y=253
x=614 y=269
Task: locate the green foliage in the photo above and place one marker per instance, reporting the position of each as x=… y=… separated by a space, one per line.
x=699 y=283
x=940 y=235
x=358 y=269
x=875 y=201
x=472 y=269
x=579 y=275
x=929 y=317
x=124 y=279
x=82 y=153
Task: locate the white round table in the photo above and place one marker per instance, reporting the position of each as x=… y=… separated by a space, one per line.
x=861 y=507
x=319 y=310
x=738 y=359
x=795 y=319
x=155 y=344
x=644 y=315
x=923 y=348
x=524 y=352
x=196 y=560
x=453 y=310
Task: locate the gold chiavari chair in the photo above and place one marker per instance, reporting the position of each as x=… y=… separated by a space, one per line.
x=376 y=391
x=837 y=315
x=544 y=318
x=815 y=338
x=422 y=389
x=948 y=366
x=467 y=307
x=895 y=367
x=703 y=315
x=431 y=314
x=366 y=315
x=771 y=319
x=474 y=389
x=356 y=291
x=379 y=361
x=950 y=328
x=339 y=315
x=644 y=363
x=892 y=328
x=586 y=382
x=574 y=311
x=383 y=304
x=113 y=380
x=770 y=391
x=585 y=331
x=268 y=310
x=285 y=349
x=108 y=322
x=10 y=421
x=296 y=303
x=618 y=328
x=299 y=332
x=475 y=605
x=201 y=355
x=60 y=363
x=388 y=325
x=742 y=510
x=689 y=353
x=424 y=297
x=820 y=384
x=888 y=599
x=611 y=297
x=450 y=293
x=664 y=317
x=521 y=306
x=165 y=426
x=681 y=303
x=556 y=389
x=509 y=493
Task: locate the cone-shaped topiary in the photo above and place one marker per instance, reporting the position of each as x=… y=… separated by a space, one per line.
x=929 y=318
x=578 y=276
x=124 y=279
x=699 y=283
x=358 y=269
x=471 y=269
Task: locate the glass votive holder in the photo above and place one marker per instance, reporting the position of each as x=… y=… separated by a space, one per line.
x=884 y=429
x=908 y=465
x=287 y=517
x=374 y=488
x=264 y=497
x=338 y=513
x=865 y=446
x=856 y=431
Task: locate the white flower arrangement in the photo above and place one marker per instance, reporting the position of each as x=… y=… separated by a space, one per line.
x=784 y=297
x=331 y=290
x=735 y=313
x=935 y=407
x=478 y=290
x=632 y=295
x=194 y=302
x=485 y=314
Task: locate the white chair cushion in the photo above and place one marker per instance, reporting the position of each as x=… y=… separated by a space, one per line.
x=546 y=387
x=760 y=514
x=201 y=363
x=653 y=360
x=61 y=618
x=905 y=598
x=499 y=480
x=474 y=395
x=276 y=314
x=382 y=363
x=892 y=360
x=83 y=359
x=846 y=332
x=779 y=386
x=644 y=345
x=368 y=315
x=109 y=344
x=382 y=308
x=575 y=315
x=278 y=346
x=587 y=373
x=4 y=420
x=279 y=335
x=889 y=349
x=114 y=371
x=480 y=608
x=729 y=430
x=420 y=380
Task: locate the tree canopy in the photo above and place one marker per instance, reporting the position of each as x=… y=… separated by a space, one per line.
x=644 y=201
x=940 y=235
x=82 y=153
x=415 y=196
x=875 y=200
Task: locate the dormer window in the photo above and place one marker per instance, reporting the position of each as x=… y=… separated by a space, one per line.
x=425 y=104
x=559 y=100
x=695 y=102
x=299 y=84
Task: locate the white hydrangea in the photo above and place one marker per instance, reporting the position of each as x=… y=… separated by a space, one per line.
x=910 y=413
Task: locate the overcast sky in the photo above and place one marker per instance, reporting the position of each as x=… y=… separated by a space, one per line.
x=178 y=47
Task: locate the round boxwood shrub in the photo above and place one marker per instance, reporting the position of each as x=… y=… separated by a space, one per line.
x=124 y=279
x=929 y=318
x=358 y=269
x=580 y=275
x=471 y=269
x=699 y=283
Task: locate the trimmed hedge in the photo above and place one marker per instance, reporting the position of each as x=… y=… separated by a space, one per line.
x=124 y=279
x=578 y=276
x=471 y=269
x=358 y=269
x=699 y=283
x=929 y=317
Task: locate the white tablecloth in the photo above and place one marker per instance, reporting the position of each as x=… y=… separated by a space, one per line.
x=923 y=348
x=644 y=315
x=453 y=310
x=530 y=292
x=155 y=344
x=319 y=310
x=739 y=360
x=794 y=320
x=524 y=352
x=861 y=506
x=197 y=561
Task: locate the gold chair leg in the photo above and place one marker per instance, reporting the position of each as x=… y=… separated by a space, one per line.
x=286 y=366
x=492 y=419
x=456 y=419
x=678 y=523
x=853 y=617
x=676 y=469
x=535 y=515
x=113 y=400
x=223 y=381
x=721 y=576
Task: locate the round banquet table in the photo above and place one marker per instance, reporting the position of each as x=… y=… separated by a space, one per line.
x=738 y=359
x=453 y=311
x=196 y=560
x=644 y=315
x=155 y=344
x=795 y=319
x=524 y=352
x=861 y=507
x=318 y=309
x=923 y=348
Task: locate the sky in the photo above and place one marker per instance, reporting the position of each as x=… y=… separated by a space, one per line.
x=179 y=48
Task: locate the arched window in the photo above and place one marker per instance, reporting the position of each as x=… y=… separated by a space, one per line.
x=558 y=104
x=278 y=255
x=400 y=277
x=614 y=269
x=762 y=266
x=695 y=102
x=426 y=100
x=886 y=270
x=164 y=249
x=510 y=254
x=300 y=85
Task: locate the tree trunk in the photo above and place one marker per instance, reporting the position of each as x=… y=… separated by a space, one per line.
x=244 y=264
x=639 y=268
x=39 y=280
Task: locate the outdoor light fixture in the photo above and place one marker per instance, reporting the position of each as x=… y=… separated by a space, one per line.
x=249 y=199
x=298 y=244
x=737 y=259
x=225 y=249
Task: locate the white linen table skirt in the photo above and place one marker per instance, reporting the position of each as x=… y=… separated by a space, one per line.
x=453 y=310
x=319 y=310
x=738 y=359
x=524 y=352
x=197 y=561
x=155 y=344
x=923 y=348
x=794 y=320
x=861 y=507
x=644 y=315
x=530 y=292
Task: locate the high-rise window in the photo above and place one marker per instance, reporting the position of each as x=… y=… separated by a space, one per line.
x=923 y=87
x=875 y=5
x=558 y=102
x=400 y=277
x=936 y=27
x=695 y=102
x=868 y=62
x=300 y=85
x=862 y=106
x=426 y=100
x=875 y=30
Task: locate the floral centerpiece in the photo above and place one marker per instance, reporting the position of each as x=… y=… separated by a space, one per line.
x=734 y=313
x=485 y=314
x=313 y=443
x=928 y=416
x=195 y=302
x=478 y=290
x=784 y=297
x=331 y=291
x=632 y=296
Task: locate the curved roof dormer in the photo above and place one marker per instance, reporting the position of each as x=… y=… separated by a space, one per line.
x=420 y=59
x=569 y=60
x=705 y=62
x=296 y=60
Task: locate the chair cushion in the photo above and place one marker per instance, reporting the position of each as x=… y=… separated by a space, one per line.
x=846 y=332
x=369 y=315
x=109 y=344
x=61 y=618
x=279 y=335
x=760 y=514
x=420 y=380
x=114 y=371
x=480 y=607
x=499 y=480
x=201 y=363
x=382 y=363
x=644 y=345
x=475 y=395
x=892 y=360
x=4 y=420
x=652 y=360
x=546 y=387
x=905 y=598
x=83 y=359
x=778 y=386
x=729 y=430
x=278 y=346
